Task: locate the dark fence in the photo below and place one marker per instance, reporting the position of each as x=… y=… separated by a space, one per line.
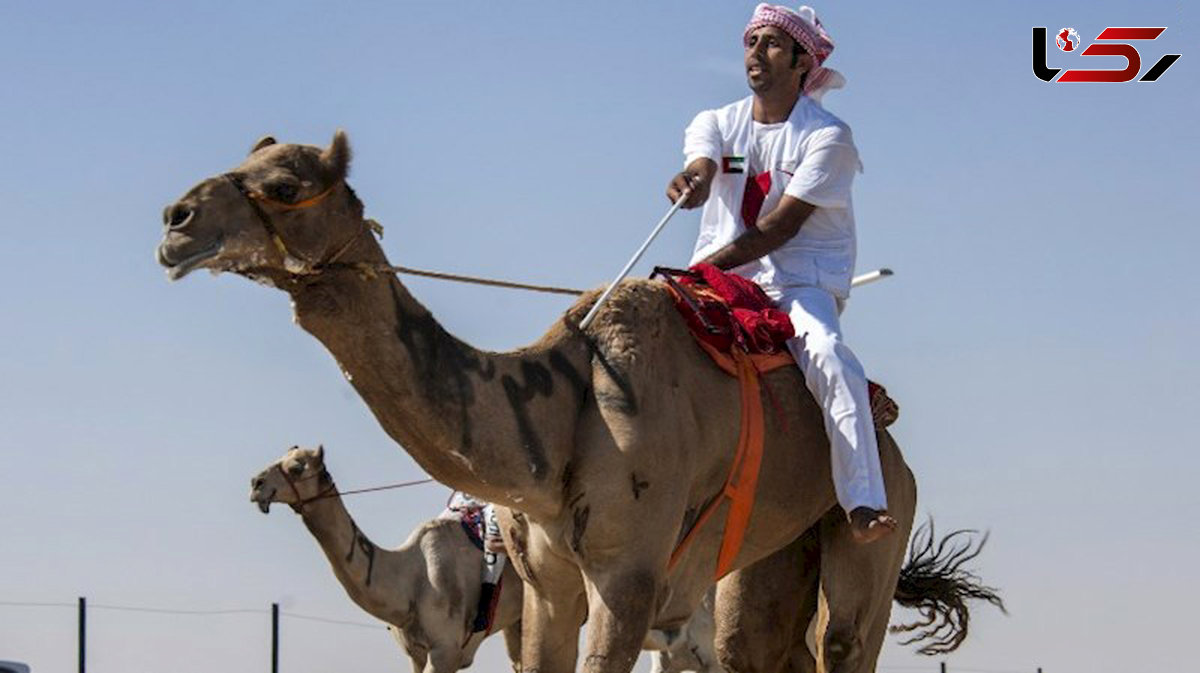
x=82 y=608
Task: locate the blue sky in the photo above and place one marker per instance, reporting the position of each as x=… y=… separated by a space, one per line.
x=1039 y=334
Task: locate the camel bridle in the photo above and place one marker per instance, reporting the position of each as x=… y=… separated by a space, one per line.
x=294 y=262
x=301 y=501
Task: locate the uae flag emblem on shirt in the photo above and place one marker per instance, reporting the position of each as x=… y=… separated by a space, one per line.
x=733 y=164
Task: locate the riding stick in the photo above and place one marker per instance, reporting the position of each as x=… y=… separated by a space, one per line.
x=587 y=319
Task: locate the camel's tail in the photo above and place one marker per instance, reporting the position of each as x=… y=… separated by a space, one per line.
x=934 y=583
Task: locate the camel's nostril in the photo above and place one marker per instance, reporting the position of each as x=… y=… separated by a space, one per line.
x=256 y=483
x=177 y=216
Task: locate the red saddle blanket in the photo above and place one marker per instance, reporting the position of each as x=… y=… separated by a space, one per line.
x=723 y=309
x=729 y=310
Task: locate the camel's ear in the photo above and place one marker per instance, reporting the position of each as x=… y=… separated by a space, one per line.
x=336 y=157
x=321 y=453
x=265 y=141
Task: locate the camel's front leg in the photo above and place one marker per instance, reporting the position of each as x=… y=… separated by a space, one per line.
x=417 y=656
x=553 y=603
x=512 y=644
x=621 y=605
x=550 y=628
x=443 y=660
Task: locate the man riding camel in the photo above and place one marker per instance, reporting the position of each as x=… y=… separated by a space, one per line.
x=773 y=172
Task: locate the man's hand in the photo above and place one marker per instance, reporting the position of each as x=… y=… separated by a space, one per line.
x=698 y=176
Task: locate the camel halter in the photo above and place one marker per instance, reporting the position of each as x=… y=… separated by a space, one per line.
x=295 y=263
x=298 y=506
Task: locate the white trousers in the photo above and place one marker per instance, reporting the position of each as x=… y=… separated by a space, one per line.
x=837 y=380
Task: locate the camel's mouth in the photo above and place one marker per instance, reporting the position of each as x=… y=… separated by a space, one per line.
x=263 y=500
x=179 y=269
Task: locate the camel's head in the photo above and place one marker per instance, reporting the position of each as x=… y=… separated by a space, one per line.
x=285 y=209
x=295 y=479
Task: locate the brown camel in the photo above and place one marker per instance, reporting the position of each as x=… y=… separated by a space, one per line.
x=606 y=443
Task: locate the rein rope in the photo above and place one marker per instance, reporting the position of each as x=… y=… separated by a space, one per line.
x=402 y=484
x=331 y=491
x=476 y=280
x=299 y=265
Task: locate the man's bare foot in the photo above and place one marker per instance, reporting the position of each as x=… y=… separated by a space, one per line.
x=868 y=525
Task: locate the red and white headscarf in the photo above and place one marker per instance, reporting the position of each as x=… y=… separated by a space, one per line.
x=804 y=27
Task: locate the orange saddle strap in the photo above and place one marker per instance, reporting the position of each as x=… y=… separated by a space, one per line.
x=742 y=482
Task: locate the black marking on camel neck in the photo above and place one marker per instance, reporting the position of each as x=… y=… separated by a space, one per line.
x=535 y=380
x=560 y=364
x=360 y=541
x=443 y=364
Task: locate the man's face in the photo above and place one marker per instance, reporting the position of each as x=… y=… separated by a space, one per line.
x=769 y=61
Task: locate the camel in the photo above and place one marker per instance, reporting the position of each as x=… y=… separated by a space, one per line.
x=602 y=445
x=426 y=590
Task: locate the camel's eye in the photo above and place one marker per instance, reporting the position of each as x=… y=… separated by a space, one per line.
x=295 y=469
x=282 y=191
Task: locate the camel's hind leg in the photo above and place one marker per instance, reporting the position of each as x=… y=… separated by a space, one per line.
x=857 y=587
x=764 y=608
x=858 y=582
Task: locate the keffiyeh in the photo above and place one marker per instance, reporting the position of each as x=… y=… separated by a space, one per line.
x=805 y=28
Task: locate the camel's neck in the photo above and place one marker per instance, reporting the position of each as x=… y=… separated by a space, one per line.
x=359 y=564
x=497 y=425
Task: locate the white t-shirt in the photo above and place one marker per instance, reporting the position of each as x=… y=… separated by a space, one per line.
x=811 y=157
